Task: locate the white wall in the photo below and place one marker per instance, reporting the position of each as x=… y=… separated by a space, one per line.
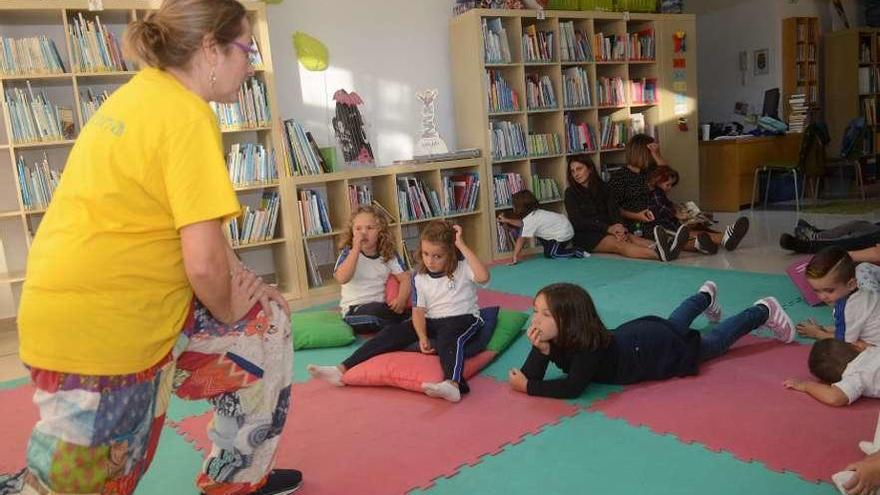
x=726 y=27
x=385 y=51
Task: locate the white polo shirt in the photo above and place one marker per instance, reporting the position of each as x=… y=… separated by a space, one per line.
x=368 y=283
x=862 y=376
x=547 y=225
x=442 y=296
x=861 y=315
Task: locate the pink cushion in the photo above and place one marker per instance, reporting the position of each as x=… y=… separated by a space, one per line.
x=796 y=272
x=408 y=370
x=392 y=288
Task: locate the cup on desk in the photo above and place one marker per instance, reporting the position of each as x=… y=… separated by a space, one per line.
x=705 y=131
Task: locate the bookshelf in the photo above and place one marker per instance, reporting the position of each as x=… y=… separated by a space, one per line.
x=852 y=83
x=608 y=72
x=320 y=245
x=78 y=89
x=800 y=62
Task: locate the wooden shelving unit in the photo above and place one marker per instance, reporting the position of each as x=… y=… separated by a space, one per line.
x=801 y=50
x=474 y=118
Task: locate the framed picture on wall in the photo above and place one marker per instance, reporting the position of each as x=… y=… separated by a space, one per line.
x=762 y=62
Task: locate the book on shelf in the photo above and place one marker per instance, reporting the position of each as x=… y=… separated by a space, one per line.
x=251 y=163
x=410 y=242
x=90 y=101
x=255 y=224
x=537 y=46
x=614 y=135
x=609 y=91
x=799 y=111
x=869 y=77
x=255 y=55
x=460 y=192
x=580 y=136
x=313 y=214
x=34 y=118
x=359 y=195
x=508 y=140
x=501 y=97
x=305 y=159
x=866 y=50
x=416 y=200
x=544 y=144
x=574 y=45
x=93 y=47
x=461 y=154
x=37 y=182
x=507 y=236
x=388 y=216
x=314 y=274
x=576 y=87
x=638 y=125
x=35 y=55
x=505 y=185
x=251 y=110
x=545 y=188
x=539 y=92
x=641 y=45
x=496 y=48
x=610 y=48
x=869 y=111
x=643 y=91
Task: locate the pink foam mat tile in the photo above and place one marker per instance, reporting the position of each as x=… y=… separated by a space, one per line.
x=19 y=417
x=738 y=404
x=487 y=298
x=382 y=440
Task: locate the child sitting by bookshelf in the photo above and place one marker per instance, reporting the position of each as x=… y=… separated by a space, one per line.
x=367 y=260
x=567 y=330
x=671 y=216
x=445 y=309
x=847 y=371
x=832 y=275
x=553 y=230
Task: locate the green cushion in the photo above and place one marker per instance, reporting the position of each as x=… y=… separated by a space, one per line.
x=315 y=329
x=509 y=326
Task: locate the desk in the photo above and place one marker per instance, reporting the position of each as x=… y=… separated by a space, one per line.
x=727 y=167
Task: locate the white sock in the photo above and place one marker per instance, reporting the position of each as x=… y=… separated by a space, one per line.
x=442 y=390
x=329 y=374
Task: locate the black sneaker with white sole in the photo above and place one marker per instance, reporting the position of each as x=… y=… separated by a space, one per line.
x=662 y=243
x=678 y=242
x=804 y=230
x=733 y=234
x=703 y=244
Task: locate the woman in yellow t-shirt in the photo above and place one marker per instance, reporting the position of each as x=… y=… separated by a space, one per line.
x=132 y=290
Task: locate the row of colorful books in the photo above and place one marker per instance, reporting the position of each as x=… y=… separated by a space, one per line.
x=460 y=193
x=539 y=92
x=545 y=188
x=506 y=235
x=314 y=218
x=360 y=195
x=576 y=87
x=505 y=185
x=508 y=140
x=251 y=109
x=94 y=48
x=544 y=144
x=581 y=136
x=643 y=91
x=614 y=134
x=641 y=45
x=305 y=157
x=610 y=47
x=90 y=101
x=574 y=45
x=251 y=163
x=501 y=97
x=609 y=91
x=415 y=200
x=37 y=182
x=496 y=47
x=799 y=112
x=32 y=55
x=256 y=224
x=35 y=119
x=537 y=46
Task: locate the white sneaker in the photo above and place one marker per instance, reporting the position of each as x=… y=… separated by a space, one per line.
x=442 y=390
x=778 y=321
x=713 y=311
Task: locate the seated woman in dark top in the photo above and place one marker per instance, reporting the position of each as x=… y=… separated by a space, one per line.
x=595 y=216
x=567 y=331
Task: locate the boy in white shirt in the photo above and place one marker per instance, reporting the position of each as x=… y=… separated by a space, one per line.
x=847 y=371
x=553 y=230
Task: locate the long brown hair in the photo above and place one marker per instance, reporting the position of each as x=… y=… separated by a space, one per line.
x=524 y=202
x=385 y=241
x=440 y=232
x=594 y=179
x=171 y=35
x=637 y=153
x=578 y=322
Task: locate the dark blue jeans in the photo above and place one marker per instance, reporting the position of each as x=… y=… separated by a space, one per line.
x=719 y=339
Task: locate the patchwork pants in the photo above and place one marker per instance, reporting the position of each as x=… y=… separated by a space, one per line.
x=98 y=434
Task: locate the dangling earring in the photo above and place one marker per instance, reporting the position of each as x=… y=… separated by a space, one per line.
x=213 y=77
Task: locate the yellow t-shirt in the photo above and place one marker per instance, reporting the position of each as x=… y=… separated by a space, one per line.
x=106 y=292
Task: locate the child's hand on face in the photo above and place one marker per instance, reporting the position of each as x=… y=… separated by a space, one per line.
x=517 y=380
x=795 y=384
x=534 y=335
x=357 y=242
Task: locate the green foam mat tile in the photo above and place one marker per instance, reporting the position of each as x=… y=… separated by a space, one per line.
x=14 y=383
x=590 y=453
x=592 y=272
x=174 y=468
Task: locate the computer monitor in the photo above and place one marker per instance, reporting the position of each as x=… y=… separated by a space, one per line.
x=771 y=103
